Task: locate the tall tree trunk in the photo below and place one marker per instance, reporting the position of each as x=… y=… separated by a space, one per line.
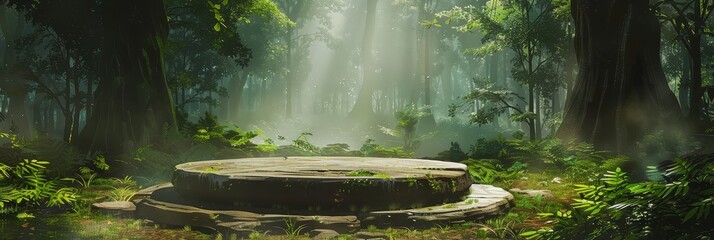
x=237 y=85
x=135 y=107
x=363 y=105
x=697 y=92
x=90 y=99
x=289 y=75
x=76 y=111
x=621 y=93
x=685 y=83
x=538 y=115
x=427 y=122
x=531 y=108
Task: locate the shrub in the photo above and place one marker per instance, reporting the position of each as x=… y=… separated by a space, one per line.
x=406 y=127
x=613 y=208
x=371 y=149
x=25 y=182
x=487 y=171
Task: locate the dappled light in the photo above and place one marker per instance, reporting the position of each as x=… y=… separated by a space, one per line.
x=356 y=119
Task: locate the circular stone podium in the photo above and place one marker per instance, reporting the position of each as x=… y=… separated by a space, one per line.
x=337 y=193
x=348 y=184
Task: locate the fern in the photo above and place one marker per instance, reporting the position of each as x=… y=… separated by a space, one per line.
x=487 y=171
x=25 y=185
x=679 y=208
x=64 y=158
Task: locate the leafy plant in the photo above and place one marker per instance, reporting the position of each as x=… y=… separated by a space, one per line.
x=496 y=101
x=63 y=158
x=371 y=149
x=127 y=181
x=25 y=185
x=292 y=230
x=487 y=171
x=208 y=130
x=121 y=194
x=302 y=143
x=407 y=120
x=678 y=208
x=84 y=178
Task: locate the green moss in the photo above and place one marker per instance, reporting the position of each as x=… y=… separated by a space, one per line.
x=211 y=169
x=450 y=205
x=382 y=176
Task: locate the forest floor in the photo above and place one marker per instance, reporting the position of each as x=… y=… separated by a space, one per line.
x=85 y=224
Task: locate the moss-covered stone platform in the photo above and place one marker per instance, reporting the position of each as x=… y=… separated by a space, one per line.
x=323 y=183
x=337 y=193
x=161 y=204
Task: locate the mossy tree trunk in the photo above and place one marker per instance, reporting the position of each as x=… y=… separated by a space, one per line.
x=133 y=105
x=620 y=93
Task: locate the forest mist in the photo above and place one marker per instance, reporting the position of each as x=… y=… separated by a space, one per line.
x=339 y=69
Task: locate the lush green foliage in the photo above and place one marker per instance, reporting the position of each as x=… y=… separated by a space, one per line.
x=26 y=183
x=487 y=171
x=406 y=129
x=613 y=208
x=579 y=159
x=496 y=102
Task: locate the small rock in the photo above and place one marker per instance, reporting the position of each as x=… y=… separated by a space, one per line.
x=118 y=208
x=370 y=235
x=322 y=234
x=532 y=193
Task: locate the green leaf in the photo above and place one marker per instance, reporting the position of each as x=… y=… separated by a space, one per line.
x=528 y=233
x=690 y=214
x=217 y=27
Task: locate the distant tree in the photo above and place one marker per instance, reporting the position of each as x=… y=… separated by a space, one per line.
x=301 y=12
x=63 y=72
x=363 y=104
x=496 y=102
x=689 y=19
x=133 y=106
x=57 y=57
x=530 y=29
x=210 y=47
x=14 y=87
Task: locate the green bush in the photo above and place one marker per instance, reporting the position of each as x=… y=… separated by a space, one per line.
x=579 y=161
x=487 y=171
x=679 y=208
x=25 y=183
x=406 y=127
x=371 y=149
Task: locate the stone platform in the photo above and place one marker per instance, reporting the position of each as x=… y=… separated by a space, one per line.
x=342 y=194
x=323 y=183
x=161 y=204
